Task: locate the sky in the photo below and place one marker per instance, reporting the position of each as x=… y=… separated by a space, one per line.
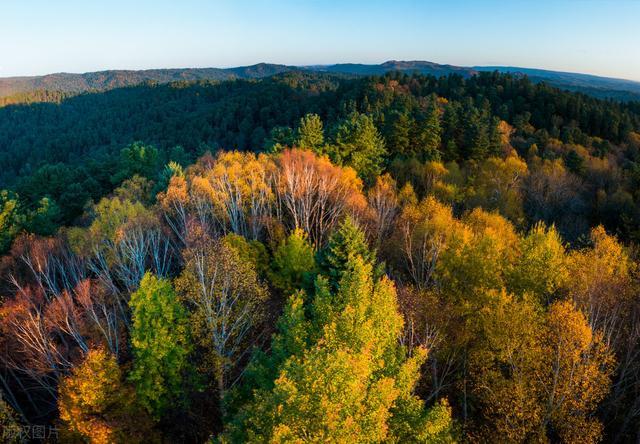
x=37 y=37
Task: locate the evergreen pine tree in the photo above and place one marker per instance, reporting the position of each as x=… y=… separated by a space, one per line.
x=310 y=133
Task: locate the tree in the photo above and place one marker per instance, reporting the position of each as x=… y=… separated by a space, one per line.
x=159 y=342
x=125 y=239
x=315 y=194
x=424 y=231
x=293 y=264
x=139 y=159
x=45 y=219
x=239 y=188
x=478 y=257
x=11 y=219
x=541 y=267
x=429 y=133
x=346 y=243
x=574 y=162
x=360 y=145
x=578 y=368
x=505 y=362
x=310 y=133
x=280 y=138
x=553 y=195
x=497 y=186
x=249 y=251
x=231 y=193
x=229 y=307
x=604 y=287
x=110 y=214
x=452 y=137
x=383 y=202
x=96 y=405
x=399 y=133
x=476 y=135
x=353 y=383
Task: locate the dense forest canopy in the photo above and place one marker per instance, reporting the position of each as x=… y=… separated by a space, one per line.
x=76 y=150
x=397 y=258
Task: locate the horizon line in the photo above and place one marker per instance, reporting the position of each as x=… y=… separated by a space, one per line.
x=311 y=65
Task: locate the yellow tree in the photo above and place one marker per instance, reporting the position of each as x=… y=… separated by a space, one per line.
x=478 y=258
x=96 y=405
x=497 y=186
x=353 y=383
x=604 y=286
x=541 y=265
x=228 y=303
x=241 y=190
x=602 y=283
x=504 y=363
x=425 y=231
x=233 y=192
x=576 y=378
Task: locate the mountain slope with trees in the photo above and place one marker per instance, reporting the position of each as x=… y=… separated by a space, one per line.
x=309 y=257
x=54 y=87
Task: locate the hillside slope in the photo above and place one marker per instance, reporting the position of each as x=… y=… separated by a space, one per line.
x=41 y=88
x=597 y=86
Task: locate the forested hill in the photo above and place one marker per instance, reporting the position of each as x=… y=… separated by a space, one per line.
x=311 y=257
x=12 y=89
x=80 y=149
x=53 y=87
x=597 y=86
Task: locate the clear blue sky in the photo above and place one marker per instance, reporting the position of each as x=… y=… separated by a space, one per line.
x=44 y=36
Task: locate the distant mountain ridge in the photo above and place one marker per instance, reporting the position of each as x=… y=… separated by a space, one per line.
x=105 y=80
x=602 y=87
x=421 y=67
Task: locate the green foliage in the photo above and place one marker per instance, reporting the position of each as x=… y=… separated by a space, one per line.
x=45 y=219
x=429 y=134
x=574 y=162
x=476 y=135
x=542 y=266
x=111 y=214
x=11 y=219
x=358 y=144
x=171 y=169
x=293 y=265
x=344 y=386
x=136 y=189
x=291 y=338
x=279 y=138
x=346 y=243
x=137 y=158
x=160 y=344
x=398 y=135
x=310 y=133
x=249 y=251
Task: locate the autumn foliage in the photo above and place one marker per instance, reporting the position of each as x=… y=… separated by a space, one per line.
x=282 y=297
